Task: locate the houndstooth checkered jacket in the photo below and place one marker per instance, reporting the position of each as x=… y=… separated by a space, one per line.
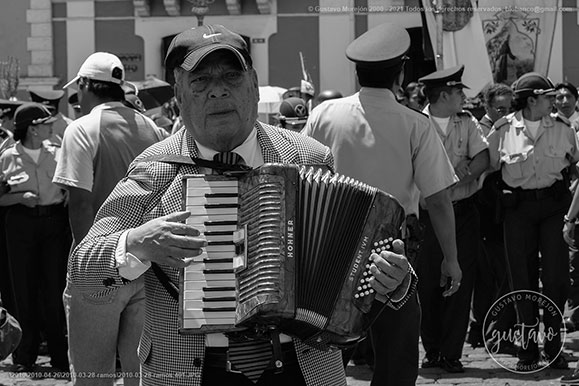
x=151 y=190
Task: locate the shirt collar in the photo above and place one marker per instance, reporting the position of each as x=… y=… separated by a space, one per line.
x=107 y=105
x=519 y=122
x=377 y=92
x=249 y=150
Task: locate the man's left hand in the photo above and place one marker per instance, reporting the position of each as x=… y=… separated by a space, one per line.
x=389 y=270
x=462 y=170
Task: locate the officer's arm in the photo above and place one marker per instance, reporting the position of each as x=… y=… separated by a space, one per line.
x=476 y=166
x=442 y=217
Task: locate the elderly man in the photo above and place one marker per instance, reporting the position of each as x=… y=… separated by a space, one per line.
x=139 y=230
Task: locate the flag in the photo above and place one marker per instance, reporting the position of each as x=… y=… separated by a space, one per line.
x=463 y=41
x=519 y=36
x=306 y=85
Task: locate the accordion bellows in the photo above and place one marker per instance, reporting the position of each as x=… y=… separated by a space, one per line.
x=297 y=258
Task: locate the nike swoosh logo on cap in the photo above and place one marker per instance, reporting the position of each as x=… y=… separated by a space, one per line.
x=210 y=35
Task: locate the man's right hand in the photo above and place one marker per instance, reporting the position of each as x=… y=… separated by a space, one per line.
x=450 y=277
x=166 y=240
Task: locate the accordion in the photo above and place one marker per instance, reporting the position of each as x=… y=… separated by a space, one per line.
x=288 y=247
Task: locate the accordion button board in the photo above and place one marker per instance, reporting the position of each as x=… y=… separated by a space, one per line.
x=288 y=247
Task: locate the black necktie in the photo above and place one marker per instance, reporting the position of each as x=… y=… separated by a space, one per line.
x=228 y=157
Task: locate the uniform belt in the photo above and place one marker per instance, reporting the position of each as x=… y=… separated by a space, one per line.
x=218 y=356
x=40 y=210
x=539 y=194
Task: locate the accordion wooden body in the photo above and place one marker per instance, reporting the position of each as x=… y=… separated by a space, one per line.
x=288 y=247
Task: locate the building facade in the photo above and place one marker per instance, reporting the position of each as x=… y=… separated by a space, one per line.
x=51 y=38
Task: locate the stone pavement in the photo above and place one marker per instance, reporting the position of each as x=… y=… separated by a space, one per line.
x=480 y=370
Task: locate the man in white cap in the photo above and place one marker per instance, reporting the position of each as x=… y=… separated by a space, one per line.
x=96 y=151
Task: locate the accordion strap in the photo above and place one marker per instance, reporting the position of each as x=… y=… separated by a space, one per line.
x=194 y=161
x=169 y=286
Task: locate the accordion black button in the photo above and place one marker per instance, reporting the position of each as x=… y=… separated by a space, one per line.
x=197 y=362
x=108 y=282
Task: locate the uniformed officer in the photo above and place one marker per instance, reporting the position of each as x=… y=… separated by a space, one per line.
x=293 y=113
x=533 y=151
x=444 y=321
x=51 y=99
x=491 y=277
x=7 y=110
x=74 y=103
x=376 y=140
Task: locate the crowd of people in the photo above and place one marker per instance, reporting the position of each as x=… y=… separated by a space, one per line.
x=94 y=235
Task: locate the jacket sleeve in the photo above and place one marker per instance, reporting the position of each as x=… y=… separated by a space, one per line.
x=92 y=265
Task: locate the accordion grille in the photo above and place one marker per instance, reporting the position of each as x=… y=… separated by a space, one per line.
x=261 y=210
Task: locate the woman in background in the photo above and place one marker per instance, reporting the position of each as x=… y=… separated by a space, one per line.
x=38 y=236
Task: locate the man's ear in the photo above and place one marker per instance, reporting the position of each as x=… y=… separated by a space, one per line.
x=177 y=93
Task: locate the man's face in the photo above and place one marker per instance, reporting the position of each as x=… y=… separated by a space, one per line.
x=544 y=105
x=499 y=106
x=565 y=102
x=83 y=97
x=455 y=100
x=218 y=101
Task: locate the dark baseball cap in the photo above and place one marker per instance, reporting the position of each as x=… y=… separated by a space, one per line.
x=190 y=47
x=533 y=83
x=383 y=46
x=294 y=109
x=32 y=113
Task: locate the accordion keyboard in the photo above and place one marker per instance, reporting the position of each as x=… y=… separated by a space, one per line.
x=209 y=296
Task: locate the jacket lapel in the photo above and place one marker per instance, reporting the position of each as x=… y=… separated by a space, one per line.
x=274 y=146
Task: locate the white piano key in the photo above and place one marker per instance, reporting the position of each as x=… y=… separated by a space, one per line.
x=202 y=227
x=210 y=237
x=200 y=314
x=198 y=323
x=201 y=304
x=210 y=249
x=191 y=285
x=203 y=218
x=199 y=267
x=202 y=294
x=203 y=200
x=198 y=276
x=204 y=211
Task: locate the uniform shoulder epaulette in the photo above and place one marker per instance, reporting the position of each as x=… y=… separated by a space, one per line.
x=464 y=113
x=417 y=111
x=501 y=122
x=563 y=119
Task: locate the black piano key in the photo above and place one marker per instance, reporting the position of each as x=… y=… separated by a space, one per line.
x=221 y=194
x=214 y=289
x=217 y=271
x=222 y=299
